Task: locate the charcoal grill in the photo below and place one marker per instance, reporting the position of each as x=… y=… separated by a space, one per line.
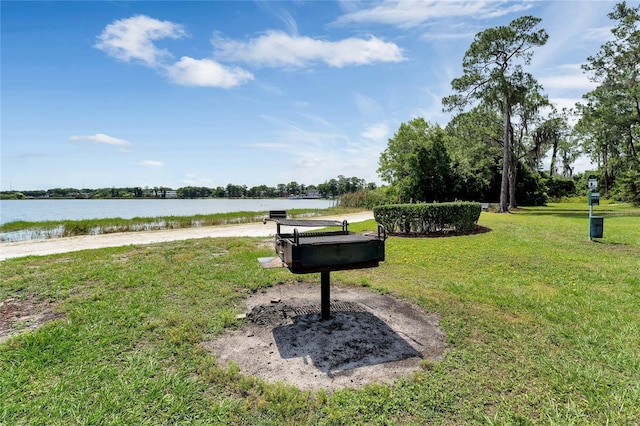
x=323 y=251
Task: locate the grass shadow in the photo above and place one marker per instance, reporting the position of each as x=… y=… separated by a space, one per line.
x=479 y=229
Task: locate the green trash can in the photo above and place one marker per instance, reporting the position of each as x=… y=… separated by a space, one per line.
x=596 y=226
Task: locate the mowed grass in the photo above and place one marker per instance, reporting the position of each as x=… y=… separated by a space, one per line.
x=543 y=327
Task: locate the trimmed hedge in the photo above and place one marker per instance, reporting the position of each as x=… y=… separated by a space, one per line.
x=425 y=218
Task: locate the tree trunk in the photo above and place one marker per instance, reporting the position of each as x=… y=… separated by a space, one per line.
x=554 y=154
x=632 y=148
x=513 y=174
x=506 y=156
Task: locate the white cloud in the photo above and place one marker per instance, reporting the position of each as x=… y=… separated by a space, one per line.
x=314 y=155
x=376 y=132
x=132 y=39
x=575 y=81
x=277 y=49
x=408 y=14
x=207 y=73
x=568 y=104
x=150 y=163
x=192 y=179
x=100 y=138
x=582 y=163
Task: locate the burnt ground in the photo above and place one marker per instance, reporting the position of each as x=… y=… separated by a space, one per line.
x=369 y=338
x=20 y=315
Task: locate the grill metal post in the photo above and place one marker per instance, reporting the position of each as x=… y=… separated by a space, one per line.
x=325 y=295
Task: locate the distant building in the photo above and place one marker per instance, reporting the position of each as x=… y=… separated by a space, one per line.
x=312 y=193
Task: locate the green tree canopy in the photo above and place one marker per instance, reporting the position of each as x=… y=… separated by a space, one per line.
x=474 y=145
x=609 y=127
x=416 y=162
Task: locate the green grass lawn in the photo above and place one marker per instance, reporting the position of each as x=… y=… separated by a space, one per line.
x=543 y=327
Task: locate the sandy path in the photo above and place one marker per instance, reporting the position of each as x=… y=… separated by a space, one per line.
x=86 y=242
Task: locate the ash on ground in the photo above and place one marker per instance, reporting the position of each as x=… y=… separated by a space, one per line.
x=369 y=338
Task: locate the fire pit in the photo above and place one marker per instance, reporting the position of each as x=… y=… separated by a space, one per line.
x=326 y=251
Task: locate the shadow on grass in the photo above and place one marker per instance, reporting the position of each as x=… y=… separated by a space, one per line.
x=573 y=213
x=610 y=244
x=479 y=229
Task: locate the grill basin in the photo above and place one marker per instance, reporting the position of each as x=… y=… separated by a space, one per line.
x=330 y=251
x=309 y=252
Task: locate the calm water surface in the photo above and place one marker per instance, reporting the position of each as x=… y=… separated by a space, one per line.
x=41 y=210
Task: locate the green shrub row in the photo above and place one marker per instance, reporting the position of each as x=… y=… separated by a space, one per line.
x=425 y=218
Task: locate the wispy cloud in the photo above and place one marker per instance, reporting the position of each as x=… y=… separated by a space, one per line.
x=272 y=146
x=316 y=119
x=132 y=39
x=100 y=138
x=600 y=33
x=367 y=105
x=150 y=163
x=376 y=132
x=278 y=49
x=288 y=21
x=408 y=14
x=439 y=35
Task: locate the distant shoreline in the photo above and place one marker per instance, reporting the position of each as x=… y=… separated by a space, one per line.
x=11 y=250
x=61 y=210
x=168 y=198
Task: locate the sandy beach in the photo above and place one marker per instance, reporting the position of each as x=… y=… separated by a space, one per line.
x=88 y=242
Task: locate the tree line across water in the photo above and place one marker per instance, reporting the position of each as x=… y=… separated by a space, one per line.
x=329 y=189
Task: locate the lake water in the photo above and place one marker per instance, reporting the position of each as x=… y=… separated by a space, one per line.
x=40 y=210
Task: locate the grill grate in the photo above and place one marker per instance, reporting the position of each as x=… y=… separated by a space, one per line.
x=336 y=306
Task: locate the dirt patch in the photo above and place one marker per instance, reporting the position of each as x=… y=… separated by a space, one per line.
x=20 y=315
x=369 y=338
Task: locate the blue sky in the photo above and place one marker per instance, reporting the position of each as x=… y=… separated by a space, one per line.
x=114 y=94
